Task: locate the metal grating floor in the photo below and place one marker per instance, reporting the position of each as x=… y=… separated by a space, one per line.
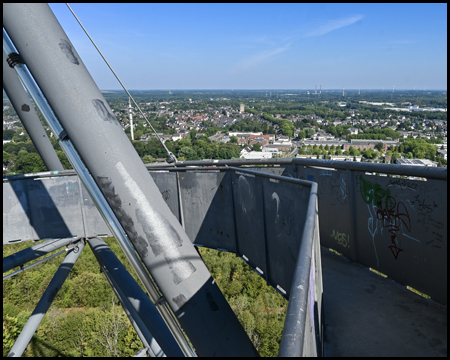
x=368 y=315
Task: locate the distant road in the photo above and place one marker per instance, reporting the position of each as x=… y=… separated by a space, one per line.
x=294 y=152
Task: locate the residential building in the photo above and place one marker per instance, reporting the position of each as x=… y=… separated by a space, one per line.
x=257 y=155
x=358 y=144
x=416 y=162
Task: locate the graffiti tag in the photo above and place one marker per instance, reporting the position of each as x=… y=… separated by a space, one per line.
x=166 y=194
x=422 y=205
x=336 y=187
x=390 y=214
x=342 y=239
x=403 y=184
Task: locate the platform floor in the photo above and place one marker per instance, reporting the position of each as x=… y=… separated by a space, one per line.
x=368 y=315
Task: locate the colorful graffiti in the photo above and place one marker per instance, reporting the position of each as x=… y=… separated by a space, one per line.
x=386 y=212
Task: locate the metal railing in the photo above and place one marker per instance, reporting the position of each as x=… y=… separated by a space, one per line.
x=391 y=218
x=292 y=243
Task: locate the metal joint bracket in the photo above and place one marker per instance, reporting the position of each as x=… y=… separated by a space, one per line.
x=161 y=301
x=172 y=157
x=74 y=245
x=63 y=136
x=13 y=59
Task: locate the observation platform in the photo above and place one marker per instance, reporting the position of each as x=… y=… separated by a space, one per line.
x=368 y=315
x=282 y=217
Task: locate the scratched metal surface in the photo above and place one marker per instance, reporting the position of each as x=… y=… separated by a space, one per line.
x=41 y=208
x=59 y=211
x=207 y=204
x=92 y=220
x=56 y=207
x=285 y=206
x=15 y=212
x=334 y=203
x=248 y=207
x=168 y=187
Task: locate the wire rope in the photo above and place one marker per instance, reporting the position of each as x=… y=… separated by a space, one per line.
x=169 y=153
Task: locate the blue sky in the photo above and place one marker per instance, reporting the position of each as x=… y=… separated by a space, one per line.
x=262 y=46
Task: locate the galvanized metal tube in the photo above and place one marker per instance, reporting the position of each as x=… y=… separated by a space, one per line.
x=294 y=324
x=135 y=321
x=45 y=301
x=100 y=248
x=136 y=297
x=98 y=199
x=232 y=162
x=33 y=265
x=418 y=171
x=35 y=251
x=408 y=170
x=9 y=178
x=126 y=184
x=30 y=120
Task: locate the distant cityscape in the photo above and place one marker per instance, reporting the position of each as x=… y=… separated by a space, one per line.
x=353 y=125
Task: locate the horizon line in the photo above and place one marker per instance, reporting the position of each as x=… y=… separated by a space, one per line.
x=285 y=89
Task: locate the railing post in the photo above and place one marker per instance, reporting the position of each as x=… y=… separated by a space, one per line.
x=351 y=190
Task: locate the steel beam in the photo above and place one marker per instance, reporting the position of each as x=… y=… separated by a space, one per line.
x=150 y=344
x=97 y=197
x=123 y=179
x=133 y=294
x=45 y=301
x=30 y=120
x=33 y=265
x=33 y=252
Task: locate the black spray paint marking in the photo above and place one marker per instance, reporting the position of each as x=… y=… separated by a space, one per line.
x=103 y=112
x=125 y=220
x=180 y=300
x=162 y=237
x=25 y=108
x=165 y=243
x=67 y=49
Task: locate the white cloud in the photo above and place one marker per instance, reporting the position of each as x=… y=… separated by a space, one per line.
x=258 y=58
x=332 y=25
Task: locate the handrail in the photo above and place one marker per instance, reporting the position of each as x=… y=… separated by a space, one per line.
x=439 y=173
x=294 y=326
